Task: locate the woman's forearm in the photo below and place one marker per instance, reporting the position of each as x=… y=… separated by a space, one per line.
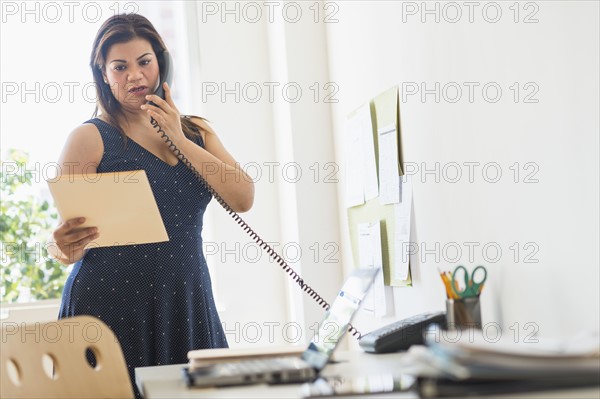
x=229 y=181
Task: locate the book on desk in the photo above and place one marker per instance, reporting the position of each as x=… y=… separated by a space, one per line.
x=476 y=365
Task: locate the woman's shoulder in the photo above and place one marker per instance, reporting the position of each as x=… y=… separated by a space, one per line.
x=99 y=123
x=201 y=126
x=87 y=131
x=87 y=134
x=83 y=146
x=202 y=123
x=101 y=130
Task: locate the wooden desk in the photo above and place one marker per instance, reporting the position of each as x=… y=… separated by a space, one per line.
x=167 y=381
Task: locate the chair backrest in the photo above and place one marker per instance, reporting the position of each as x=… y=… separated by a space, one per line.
x=78 y=357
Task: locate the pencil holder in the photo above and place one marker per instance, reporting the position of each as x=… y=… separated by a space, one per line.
x=463 y=313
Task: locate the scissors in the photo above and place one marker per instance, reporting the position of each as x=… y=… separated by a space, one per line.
x=472 y=288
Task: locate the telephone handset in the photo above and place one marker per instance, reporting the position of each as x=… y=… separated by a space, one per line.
x=165 y=63
x=166 y=74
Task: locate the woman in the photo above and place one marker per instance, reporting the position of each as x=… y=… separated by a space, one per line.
x=157 y=298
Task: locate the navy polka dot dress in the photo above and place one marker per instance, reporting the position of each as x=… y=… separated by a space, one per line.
x=157 y=298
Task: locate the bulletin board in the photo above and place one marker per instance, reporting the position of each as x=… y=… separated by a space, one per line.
x=385 y=110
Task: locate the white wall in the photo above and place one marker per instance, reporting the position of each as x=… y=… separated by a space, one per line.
x=371 y=49
x=230 y=54
x=550 y=211
x=279 y=136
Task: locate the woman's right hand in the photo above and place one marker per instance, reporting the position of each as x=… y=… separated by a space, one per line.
x=70 y=238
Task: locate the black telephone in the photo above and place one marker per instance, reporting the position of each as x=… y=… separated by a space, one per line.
x=166 y=74
x=402 y=334
x=165 y=64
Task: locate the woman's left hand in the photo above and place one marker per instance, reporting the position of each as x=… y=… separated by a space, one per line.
x=166 y=114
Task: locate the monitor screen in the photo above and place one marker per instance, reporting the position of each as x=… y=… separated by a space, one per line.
x=338 y=317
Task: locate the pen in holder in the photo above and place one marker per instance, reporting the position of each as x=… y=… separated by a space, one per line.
x=462 y=306
x=463 y=313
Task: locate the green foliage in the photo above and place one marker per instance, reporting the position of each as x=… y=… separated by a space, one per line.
x=26 y=221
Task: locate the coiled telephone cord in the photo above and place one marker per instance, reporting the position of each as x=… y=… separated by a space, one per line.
x=264 y=245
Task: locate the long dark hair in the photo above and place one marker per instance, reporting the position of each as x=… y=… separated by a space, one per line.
x=122 y=28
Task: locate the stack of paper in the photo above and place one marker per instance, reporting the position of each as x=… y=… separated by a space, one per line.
x=477 y=364
x=481 y=356
x=206 y=357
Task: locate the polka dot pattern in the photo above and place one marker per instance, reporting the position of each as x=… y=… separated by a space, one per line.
x=157 y=298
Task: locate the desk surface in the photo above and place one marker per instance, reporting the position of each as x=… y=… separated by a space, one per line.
x=167 y=381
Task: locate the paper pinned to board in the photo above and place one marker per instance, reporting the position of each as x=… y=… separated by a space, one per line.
x=370 y=255
x=389 y=176
x=402 y=238
x=361 y=166
x=120 y=204
x=369 y=164
x=355 y=189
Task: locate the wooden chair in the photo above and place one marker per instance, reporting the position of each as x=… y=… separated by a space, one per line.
x=48 y=360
